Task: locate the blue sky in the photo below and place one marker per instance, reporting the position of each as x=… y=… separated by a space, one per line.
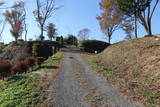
x=74 y=16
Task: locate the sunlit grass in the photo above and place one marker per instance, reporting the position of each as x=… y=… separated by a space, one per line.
x=27 y=89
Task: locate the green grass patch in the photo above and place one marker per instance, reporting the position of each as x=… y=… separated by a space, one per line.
x=51 y=63
x=152 y=97
x=149 y=93
x=28 y=89
x=20 y=91
x=54 y=60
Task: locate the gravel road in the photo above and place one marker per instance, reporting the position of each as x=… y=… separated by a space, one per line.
x=77 y=85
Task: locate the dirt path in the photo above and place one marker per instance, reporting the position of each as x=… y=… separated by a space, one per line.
x=79 y=86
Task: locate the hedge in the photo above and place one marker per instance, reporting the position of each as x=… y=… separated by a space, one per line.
x=93 y=45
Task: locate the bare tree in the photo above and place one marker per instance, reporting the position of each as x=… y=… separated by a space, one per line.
x=45 y=9
x=145 y=17
x=3 y=23
x=84 y=34
x=25 y=24
x=141 y=9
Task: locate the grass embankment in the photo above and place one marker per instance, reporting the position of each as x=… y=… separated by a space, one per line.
x=29 y=89
x=133 y=67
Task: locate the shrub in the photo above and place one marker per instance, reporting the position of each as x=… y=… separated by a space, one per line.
x=71 y=40
x=93 y=45
x=40 y=60
x=41 y=49
x=30 y=61
x=60 y=40
x=20 y=67
x=5 y=68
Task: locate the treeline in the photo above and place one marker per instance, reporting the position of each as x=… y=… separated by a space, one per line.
x=16 y=16
x=125 y=14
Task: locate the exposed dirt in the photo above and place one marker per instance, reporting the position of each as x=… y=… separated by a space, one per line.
x=77 y=85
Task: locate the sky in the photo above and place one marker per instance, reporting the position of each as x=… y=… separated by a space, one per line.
x=73 y=17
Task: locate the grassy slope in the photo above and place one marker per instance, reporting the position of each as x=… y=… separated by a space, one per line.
x=133 y=66
x=28 y=89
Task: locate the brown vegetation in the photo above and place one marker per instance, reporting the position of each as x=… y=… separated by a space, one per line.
x=136 y=64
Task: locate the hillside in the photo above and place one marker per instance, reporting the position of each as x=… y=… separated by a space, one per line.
x=136 y=64
x=17 y=51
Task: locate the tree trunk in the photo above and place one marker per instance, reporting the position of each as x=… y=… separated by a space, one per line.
x=149 y=30
x=25 y=35
x=41 y=35
x=135 y=26
x=109 y=39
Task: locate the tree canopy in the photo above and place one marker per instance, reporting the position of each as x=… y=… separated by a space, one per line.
x=111 y=17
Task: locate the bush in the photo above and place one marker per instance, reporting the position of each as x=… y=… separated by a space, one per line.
x=40 y=60
x=93 y=45
x=71 y=40
x=5 y=68
x=20 y=67
x=44 y=48
x=41 y=50
x=60 y=40
x=30 y=61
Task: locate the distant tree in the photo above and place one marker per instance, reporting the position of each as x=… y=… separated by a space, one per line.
x=45 y=9
x=57 y=39
x=71 y=40
x=51 y=31
x=15 y=18
x=110 y=18
x=20 y=5
x=60 y=40
x=84 y=34
x=128 y=28
x=141 y=9
x=2 y=23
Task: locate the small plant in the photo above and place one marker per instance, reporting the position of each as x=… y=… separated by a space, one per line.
x=5 y=68
x=40 y=60
x=31 y=61
x=20 y=67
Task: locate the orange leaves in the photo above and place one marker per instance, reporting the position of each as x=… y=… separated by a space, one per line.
x=17 y=27
x=111 y=15
x=5 y=68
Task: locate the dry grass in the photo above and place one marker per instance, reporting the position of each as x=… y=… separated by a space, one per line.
x=137 y=64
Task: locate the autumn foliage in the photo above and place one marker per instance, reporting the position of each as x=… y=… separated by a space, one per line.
x=20 y=67
x=23 y=66
x=40 y=60
x=5 y=68
x=31 y=61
